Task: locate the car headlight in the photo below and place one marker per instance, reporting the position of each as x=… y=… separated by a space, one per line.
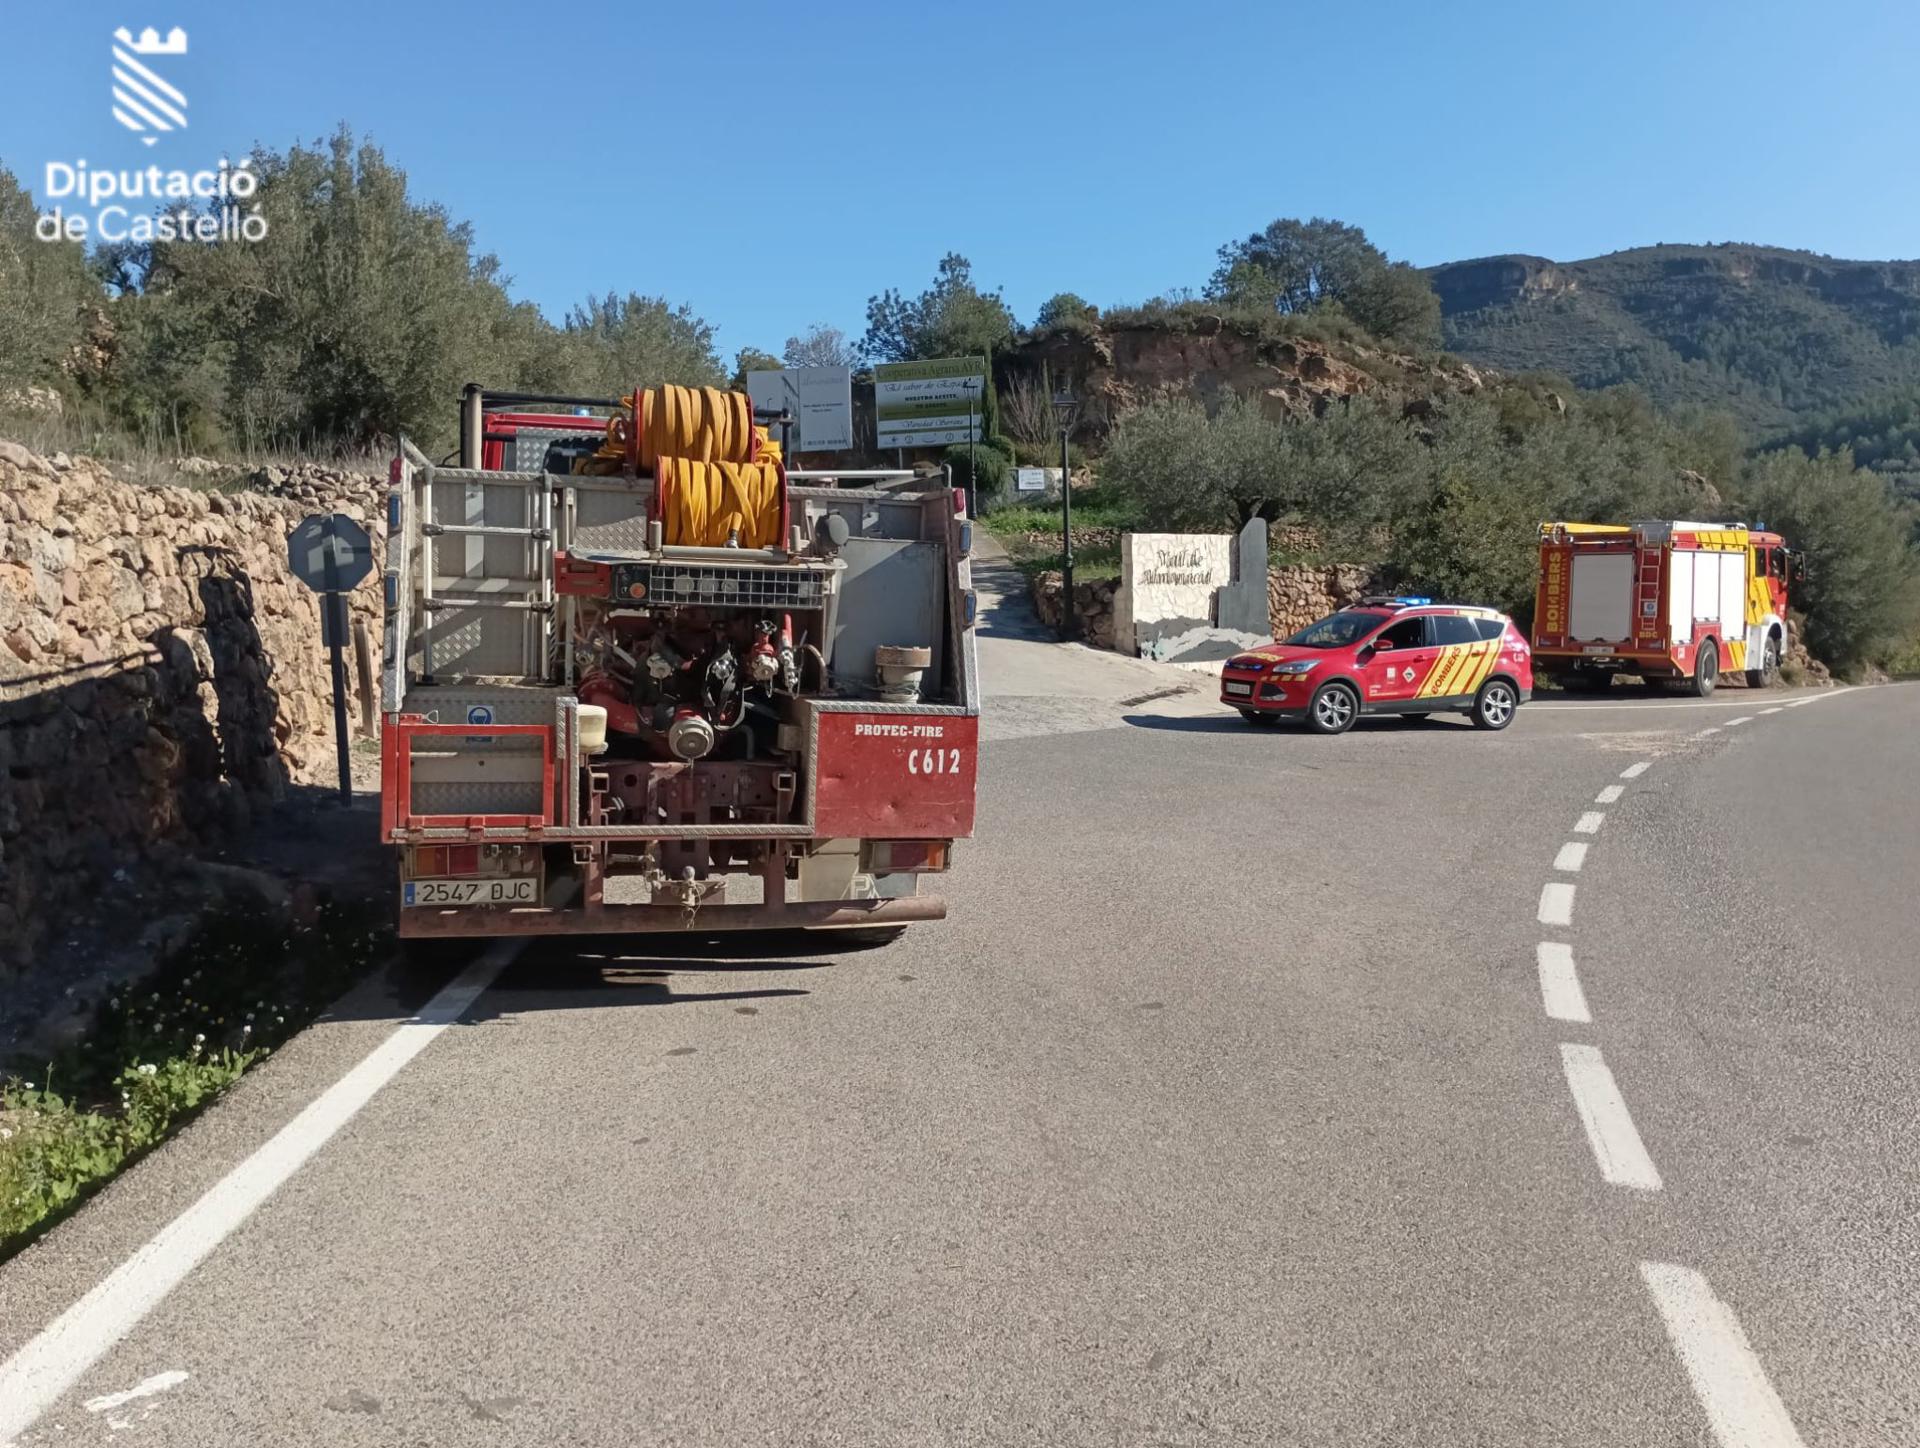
x=1297 y=666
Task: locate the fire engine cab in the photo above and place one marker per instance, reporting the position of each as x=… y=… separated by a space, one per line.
x=1664 y=600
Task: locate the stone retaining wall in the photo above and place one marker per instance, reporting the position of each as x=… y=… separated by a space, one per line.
x=1299 y=595
x=1093 y=604
x=161 y=674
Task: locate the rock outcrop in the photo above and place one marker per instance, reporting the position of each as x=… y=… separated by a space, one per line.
x=1116 y=368
x=161 y=674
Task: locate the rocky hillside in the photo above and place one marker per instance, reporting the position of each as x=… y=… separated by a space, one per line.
x=1776 y=337
x=1114 y=368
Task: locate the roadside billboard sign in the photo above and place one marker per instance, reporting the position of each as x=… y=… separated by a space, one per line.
x=820 y=399
x=925 y=404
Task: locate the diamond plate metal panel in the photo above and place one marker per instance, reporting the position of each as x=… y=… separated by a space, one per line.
x=530 y=444
x=510 y=704
x=610 y=518
x=472 y=797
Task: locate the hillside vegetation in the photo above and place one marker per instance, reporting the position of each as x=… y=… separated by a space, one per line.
x=360 y=315
x=1779 y=339
x=1302 y=385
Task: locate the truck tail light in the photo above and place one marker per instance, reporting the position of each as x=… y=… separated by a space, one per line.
x=908 y=857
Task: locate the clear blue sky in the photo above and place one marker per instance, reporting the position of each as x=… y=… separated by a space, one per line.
x=774 y=164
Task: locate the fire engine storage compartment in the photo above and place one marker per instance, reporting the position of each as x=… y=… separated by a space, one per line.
x=1600 y=601
x=1706 y=587
x=483 y=650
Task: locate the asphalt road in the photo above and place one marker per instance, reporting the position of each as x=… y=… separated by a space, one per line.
x=1226 y=1108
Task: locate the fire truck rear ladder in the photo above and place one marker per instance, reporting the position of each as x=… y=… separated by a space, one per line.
x=1647 y=591
x=535 y=592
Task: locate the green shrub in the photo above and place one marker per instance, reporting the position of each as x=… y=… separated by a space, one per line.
x=1861 y=596
x=1066 y=311
x=1047 y=454
x=992 y=456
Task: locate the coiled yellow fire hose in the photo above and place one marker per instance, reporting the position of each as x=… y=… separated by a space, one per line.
x=709 y=504
x=716 y=475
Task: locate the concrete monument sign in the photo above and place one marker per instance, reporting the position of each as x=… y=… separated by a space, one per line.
x=1187 y=597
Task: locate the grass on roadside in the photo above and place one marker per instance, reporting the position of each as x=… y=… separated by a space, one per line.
x=153 y=457
x=156 y=1052
x=1031 y=534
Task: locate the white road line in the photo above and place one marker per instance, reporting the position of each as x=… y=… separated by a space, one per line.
x=1610 y=1130
x=1705 y=732
x=1735 y=723
x=1590 y=822
x=33 y=1379
x=1609 y=794
x=1556 y=903
x=1774 y=710
x=1560 y=989
x=1634 y=771
x=1571 y=857
x=1817 y=698
x=1741 y=1404
x=146 y=1388
x=1639 y=706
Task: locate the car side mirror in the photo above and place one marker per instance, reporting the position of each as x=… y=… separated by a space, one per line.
x=1381 y=646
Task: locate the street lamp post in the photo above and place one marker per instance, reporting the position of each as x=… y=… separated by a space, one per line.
x=1065 y=405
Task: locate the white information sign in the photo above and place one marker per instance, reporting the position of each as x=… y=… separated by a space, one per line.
x=820 y=399
x=1030 y=480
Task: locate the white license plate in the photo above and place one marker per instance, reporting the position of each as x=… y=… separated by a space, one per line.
x=1233 y=688
x=498 y=890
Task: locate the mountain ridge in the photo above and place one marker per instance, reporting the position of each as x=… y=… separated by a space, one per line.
x=1778 y=337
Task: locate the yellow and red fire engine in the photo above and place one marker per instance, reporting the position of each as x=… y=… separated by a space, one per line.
x=1664 y=600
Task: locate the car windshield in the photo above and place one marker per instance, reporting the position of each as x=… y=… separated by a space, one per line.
x=1338 y=630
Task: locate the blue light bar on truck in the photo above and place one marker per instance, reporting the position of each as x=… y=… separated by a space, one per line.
x=1397 y=600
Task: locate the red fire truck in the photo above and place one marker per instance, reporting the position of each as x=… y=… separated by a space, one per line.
x=1664 y=600
x=593 y=724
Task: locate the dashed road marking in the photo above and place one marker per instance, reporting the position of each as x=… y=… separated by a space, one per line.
x=1741 y=1405
x=1734 y=723
x=1705 y=732
x=1560 y=989
x=1556 y=903
x=1634 y=771
x=33 y=1379
x=1609 y=794
x=1774 y=710
x=1590 y=822
x=1610 y=1130
x=1571 y=857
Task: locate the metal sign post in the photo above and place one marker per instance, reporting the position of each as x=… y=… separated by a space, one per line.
x=331 y=553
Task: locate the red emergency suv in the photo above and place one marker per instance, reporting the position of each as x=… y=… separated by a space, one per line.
x=1407 y=656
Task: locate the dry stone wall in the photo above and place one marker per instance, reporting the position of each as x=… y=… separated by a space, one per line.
x=1297 y=596
x=1093 y=606
x=161 y=674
